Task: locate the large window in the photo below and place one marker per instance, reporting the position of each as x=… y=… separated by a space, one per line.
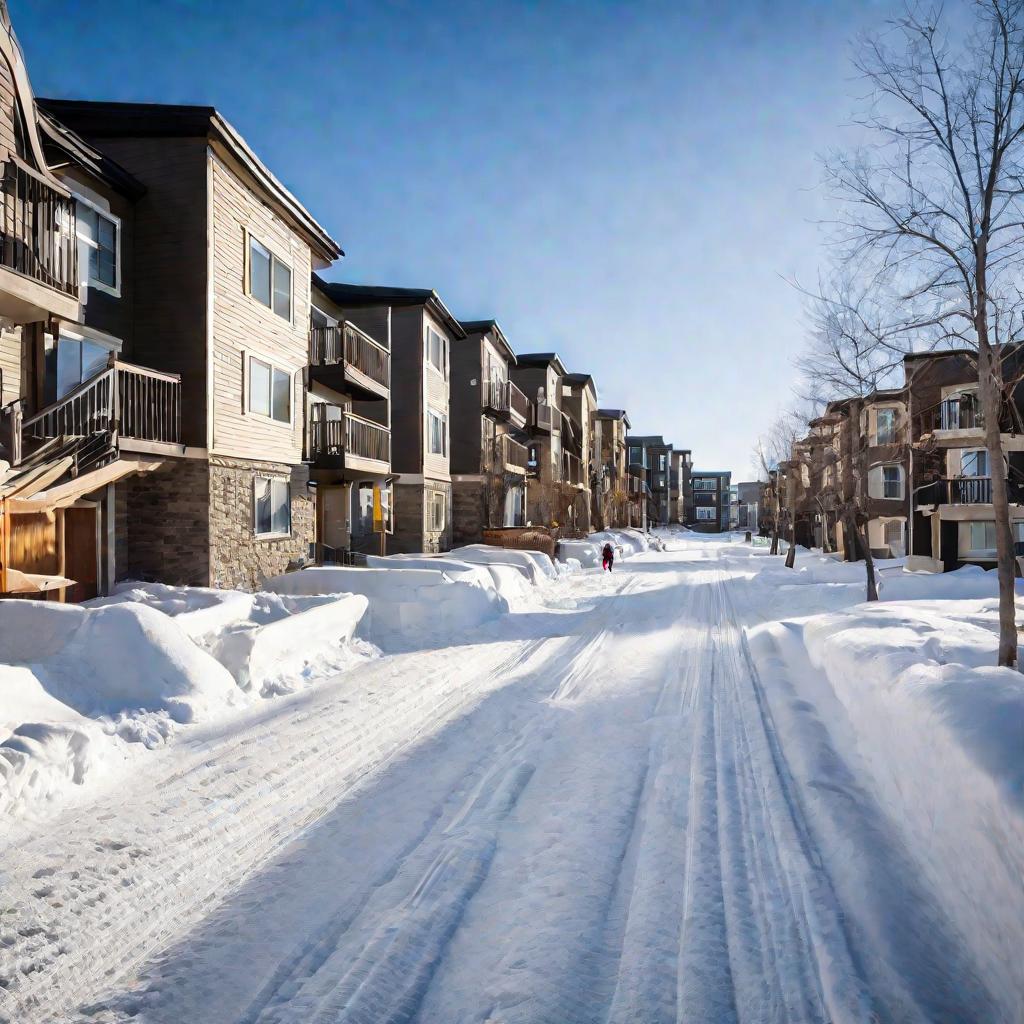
x=983 y=537
x=705 y=511
x=885 y=426
x=270 y=279
x=436 y=350
x=272 y=506
x=437 y=433
x=98 y=235
x=704 y=484
x=974 y=463
x=270 y=391
x=70 y=362
x=892 y=482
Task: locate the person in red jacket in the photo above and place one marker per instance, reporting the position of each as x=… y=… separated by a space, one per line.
x=607 y=557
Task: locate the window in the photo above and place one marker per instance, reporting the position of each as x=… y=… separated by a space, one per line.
x=98 y=242
x=892 y=482
x=983 y=536
x=270 y=280
x=885 y=426
x=703 y=484
x=706 y=512
x=270 y=391
x=436 y=351
x=438 y=508
x=974 y=463
x=71 y=362
x=636 y=457
x=894 y=537
x=437 y=433
x=273 y=506
x=661 y=462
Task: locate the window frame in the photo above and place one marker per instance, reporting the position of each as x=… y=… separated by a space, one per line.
x=443 y=419
x=711 y=509
x=434 y=504
x=272 y=534
x=275 y=367
x=878 y=434
x=899 y=482
x=89 y=281
x=986 y=523
x=275 y=260
x=975 y=452
x=429 y=330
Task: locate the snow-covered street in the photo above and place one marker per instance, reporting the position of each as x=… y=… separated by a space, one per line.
x=627 y=801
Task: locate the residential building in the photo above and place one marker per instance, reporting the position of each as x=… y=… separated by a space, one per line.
x=949 y=472
x=616 y=501
x=681 y=490
x=579 y=406
x=422 y=332
x=711 y=509
x=348 y=428
x=653 y=454
x=489 y=417
x=220 y=265
x=748 y=505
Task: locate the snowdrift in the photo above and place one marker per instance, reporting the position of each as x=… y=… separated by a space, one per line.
x=586 y=553
x=535 y=564
x=407 y=607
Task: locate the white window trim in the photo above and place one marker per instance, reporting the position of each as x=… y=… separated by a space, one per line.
x=706 y=508
x=248 y=239
x=441 y=371
x=90 y=283
x=434 y=496
x=974 y=451
x=895 y=410
x=902 y=481
x=247 y=358
x=445 y=441
x=79 y=332
x=273 y=535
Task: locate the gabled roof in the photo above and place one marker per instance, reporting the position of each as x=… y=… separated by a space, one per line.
x=613 y=414
x=542 y=359
x=582 y=380
x=106 y=120
x=648 y=440
x=353 y=295
x=490 y=327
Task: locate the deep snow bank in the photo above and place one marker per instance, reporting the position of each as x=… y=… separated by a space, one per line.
x=407 y=607
x=938 y=732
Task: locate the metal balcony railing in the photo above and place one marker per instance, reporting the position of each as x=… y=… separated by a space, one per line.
x=37 y=229
x=962 y=413
x=350 y=435
x=346 y=343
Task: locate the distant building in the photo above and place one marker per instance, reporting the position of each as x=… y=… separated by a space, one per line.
x=710 y=510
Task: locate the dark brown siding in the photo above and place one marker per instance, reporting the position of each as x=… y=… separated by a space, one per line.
x=406 y=390
x=464 y=411
x=170 y=265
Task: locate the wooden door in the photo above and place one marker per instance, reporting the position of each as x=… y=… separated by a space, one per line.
x=80 y=553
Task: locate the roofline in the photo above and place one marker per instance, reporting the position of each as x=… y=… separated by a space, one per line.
x=188 y=120
x=542 y=359
x=383 y=295
x=489 y=327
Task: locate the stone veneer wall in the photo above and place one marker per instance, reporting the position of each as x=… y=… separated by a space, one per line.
x=467 y=512
x=162 y=525
x=238 y=558
x=412 y=510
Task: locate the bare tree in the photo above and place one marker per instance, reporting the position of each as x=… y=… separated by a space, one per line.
x=936 y=203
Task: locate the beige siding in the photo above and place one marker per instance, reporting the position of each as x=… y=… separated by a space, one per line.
x=243 y=327
x=436 y=394
x=10 y=365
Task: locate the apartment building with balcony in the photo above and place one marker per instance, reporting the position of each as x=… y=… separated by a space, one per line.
x=490 y=419
x=86 y=408
x=680 y=488
x=422 y=333
x=654 y=454
x=539 y=376
x=579 y=406
x=616 y=501
x=348 y=425
x=950 y=475
x=711 y=509
x=220 y=269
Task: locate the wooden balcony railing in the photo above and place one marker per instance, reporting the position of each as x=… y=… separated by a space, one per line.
x=350 y=435
x=123 y=402
x=494 y=396
x=37 y=229
x=346 y=343
x=544 y=416
x=510 y=453
x=518 y=403
x=572 y=472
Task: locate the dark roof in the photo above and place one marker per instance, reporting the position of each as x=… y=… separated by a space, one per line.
x=614 y=414
x=711 y=472
x=383 y=295
x=95 y=161
x=648 y=440
x=489 y=327
x=106 y=120
x=541 y=359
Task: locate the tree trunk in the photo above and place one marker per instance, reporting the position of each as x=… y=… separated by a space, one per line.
x=776 y=525
x=859 y=538
x=990 y=378
x=791 y=553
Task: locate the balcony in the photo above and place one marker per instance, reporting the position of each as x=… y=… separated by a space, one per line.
x=38 y=247
x=544 y=416
x=572 y=470
x=504 y=401
x=124 y=408
x=349 y=361
x=349 y=442
x=963 y=413
x=510 y=455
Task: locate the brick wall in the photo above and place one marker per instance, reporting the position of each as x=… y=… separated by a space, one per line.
x=161 y=522
x=238 y=558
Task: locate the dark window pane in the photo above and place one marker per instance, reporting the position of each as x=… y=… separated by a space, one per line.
x=282 y=519
x=263 y=516
x=282 y=396
x=69 y=366
x=282 y=290
x=94 y=359
x=259 y=272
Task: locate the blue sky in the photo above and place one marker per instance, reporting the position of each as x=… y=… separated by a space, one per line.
x=628 y=184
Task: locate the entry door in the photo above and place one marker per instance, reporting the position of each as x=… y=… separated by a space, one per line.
x=80 y=552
